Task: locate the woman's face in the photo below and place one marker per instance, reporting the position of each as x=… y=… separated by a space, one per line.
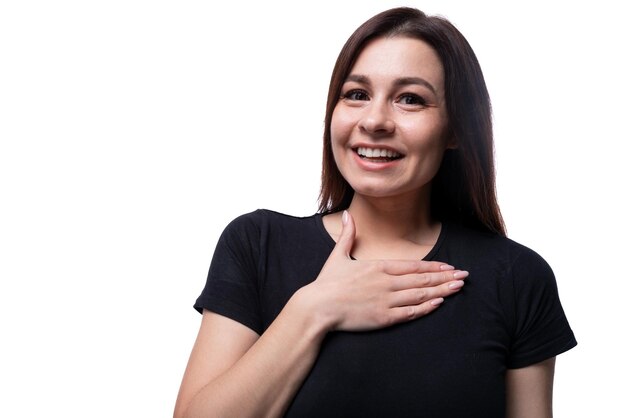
x=389 y=127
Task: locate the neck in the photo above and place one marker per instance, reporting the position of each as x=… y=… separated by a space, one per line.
x=391 y=220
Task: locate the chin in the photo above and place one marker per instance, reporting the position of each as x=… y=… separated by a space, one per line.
x=376 y=192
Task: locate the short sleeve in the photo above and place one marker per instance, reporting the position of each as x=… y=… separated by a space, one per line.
x=541 y=328
x=231 y=288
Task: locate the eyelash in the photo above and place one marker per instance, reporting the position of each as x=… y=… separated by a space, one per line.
x=349 y=95
x=418 y=99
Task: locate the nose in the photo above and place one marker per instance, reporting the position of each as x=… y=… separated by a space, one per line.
x=377 y=119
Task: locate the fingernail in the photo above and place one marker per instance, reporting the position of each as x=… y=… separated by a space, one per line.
x=436 y=302
x=446 y=267
x=460 y=274
x=456 y=285
x=344 y=217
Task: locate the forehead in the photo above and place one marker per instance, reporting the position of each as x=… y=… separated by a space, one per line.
x=398 y=57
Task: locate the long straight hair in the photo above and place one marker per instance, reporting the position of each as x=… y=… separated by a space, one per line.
x=464 y=188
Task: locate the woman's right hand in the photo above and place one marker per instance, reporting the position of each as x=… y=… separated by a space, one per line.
x=360 y=295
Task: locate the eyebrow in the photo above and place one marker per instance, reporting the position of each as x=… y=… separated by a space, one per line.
x=403 y=81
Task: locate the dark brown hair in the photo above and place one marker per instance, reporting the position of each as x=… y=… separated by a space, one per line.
x=464 y=188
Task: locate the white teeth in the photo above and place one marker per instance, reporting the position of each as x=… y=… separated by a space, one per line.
x=376 y=153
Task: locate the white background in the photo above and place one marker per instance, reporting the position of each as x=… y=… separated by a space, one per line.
x=133 y=131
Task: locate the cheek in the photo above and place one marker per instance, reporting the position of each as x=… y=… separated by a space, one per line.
x=428 y=135
x=339 y=132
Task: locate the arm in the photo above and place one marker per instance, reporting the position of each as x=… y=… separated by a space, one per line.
x=529 y=390
x=234 y=372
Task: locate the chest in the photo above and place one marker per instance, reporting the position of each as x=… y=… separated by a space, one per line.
x=451 y=363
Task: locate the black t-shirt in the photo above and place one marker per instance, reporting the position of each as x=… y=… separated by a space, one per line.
x=450 y=363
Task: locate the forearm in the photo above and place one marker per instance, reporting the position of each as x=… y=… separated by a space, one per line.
x=265 y=379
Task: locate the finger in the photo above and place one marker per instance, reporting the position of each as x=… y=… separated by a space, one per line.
x=346 y=238
x=410 y=312
x=422 y=280
x=417 y=296
x=399 y=267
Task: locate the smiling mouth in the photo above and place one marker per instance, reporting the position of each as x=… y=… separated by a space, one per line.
x=377 y=154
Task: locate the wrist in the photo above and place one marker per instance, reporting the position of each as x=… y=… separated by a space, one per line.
x=308 y=308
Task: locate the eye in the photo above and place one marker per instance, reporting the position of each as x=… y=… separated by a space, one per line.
x=411 y=99
x=356 y=95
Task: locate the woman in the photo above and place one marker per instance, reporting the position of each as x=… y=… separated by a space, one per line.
x=340 y=314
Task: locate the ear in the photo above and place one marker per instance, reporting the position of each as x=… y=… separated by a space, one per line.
x=452 y=143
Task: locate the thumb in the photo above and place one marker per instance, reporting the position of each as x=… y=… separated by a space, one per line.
x=346 y=238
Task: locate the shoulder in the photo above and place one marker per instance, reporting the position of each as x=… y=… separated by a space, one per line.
x=266 y=224
x=479 y=241
x=251 y=235
x=498 y=249
x=266 y=218
x=277 y=237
